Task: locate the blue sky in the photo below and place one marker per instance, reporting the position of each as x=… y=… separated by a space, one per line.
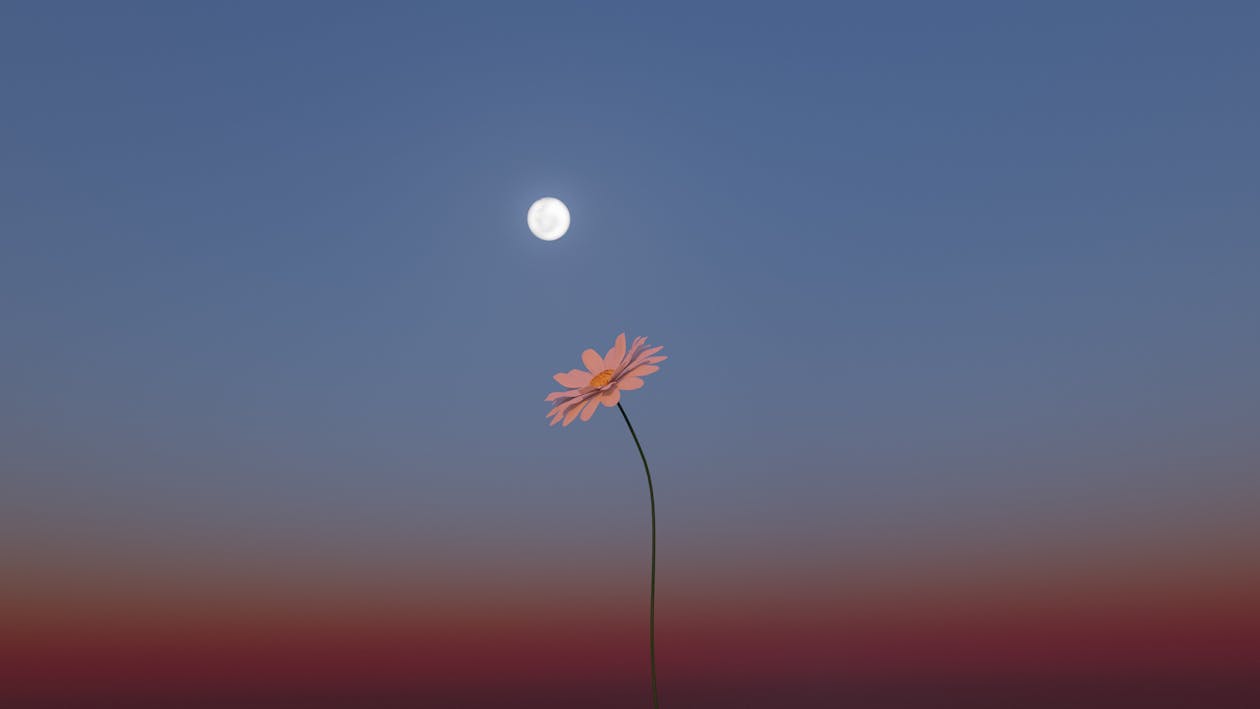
x=265 y=265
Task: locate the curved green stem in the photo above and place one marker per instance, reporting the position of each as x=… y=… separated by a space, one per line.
x=656 y=702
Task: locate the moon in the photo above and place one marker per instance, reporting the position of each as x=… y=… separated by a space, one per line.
x=548 y=218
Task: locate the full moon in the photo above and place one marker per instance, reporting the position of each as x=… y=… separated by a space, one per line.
x=548 y=218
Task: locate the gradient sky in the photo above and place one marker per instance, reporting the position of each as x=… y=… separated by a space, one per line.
x=962 y=307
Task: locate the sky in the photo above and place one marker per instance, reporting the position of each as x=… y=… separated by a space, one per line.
x=961 y=305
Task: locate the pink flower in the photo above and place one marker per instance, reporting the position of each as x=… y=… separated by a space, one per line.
x=603 y=380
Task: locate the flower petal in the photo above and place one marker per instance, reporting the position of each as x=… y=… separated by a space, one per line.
x=612 y=360
x=573 y=412
x=610 y=397
x=643 y=370
x=636 y=355
x=589 y=409
x=562 y=407
x=557 y=418
x=573 y=379
x=593 y=361
x=567 y=393
x=556 y=414
x=642 y=357
x=629 y=383
x=634 y=350
x=651 y=351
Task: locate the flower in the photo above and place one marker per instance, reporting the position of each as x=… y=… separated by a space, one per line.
x=603 y=380
x=601 y=383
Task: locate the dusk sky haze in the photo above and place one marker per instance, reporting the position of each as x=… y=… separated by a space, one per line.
x=962 y=304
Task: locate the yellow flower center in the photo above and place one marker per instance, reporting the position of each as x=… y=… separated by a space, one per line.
x=602 y=378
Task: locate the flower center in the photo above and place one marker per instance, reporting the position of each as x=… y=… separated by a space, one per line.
x=602 y=378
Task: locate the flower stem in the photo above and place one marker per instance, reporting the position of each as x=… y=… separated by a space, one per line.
x=656 y=702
